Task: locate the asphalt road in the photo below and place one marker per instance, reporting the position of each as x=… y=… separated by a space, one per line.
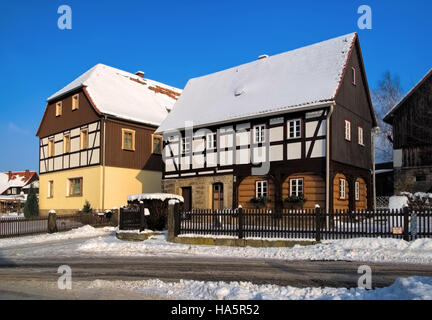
x=293 y=273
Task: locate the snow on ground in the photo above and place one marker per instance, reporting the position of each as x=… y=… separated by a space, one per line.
x=103 y=242
x=360 y=249
x=403 y=289
x=86 y=231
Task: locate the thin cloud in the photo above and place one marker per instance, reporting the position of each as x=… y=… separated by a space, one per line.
x=16 y=129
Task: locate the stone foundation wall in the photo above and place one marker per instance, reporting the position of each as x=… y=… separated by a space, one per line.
x=202 y=189
x=405 y=179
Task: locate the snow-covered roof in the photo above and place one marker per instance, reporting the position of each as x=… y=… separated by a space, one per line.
x=295 y=79
x=409 y=93
x=155 y=196
x=124 y=95
x=14 y=179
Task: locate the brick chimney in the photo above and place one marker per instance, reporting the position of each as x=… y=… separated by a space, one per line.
x=140 y=74
x=10 y=175
x=27 y=174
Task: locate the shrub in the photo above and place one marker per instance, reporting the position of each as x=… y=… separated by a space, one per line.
x=31 y=207
x=87 y=207
x=296 y=199
x=419 y=201
x=260 y=201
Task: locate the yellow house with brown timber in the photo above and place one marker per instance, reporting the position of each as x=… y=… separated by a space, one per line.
x=97 y=141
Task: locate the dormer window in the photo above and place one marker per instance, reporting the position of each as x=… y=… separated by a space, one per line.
x=59 y=109
x=75 y=102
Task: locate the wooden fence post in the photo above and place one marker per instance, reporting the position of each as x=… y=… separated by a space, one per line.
x=317 y=223
x=405 y=212
x=240 y=222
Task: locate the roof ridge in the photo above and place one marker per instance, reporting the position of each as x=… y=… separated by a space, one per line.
x=270 y=57
x=408 y=94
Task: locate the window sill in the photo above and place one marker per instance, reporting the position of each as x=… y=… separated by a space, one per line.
x=74 y=196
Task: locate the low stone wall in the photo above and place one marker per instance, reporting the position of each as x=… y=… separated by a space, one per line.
x=240 y=242
x=135 y=236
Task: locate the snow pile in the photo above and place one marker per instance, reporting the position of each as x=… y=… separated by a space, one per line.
x=419 y=288
x=86 y=231
x=360 y=249
x=155 y=196
x=13 y=215
x=397 y=202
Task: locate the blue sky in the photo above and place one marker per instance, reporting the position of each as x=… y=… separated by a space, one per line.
x=173 y=41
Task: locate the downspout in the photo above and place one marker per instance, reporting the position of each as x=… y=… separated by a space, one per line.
x=329 y=114
x=374 y=134
x=103 y=164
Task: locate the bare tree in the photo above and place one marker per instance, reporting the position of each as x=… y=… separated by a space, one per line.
x=384 y=97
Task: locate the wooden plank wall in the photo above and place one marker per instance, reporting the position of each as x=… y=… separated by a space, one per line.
x=314 y=189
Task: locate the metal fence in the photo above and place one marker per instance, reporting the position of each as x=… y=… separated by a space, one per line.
x=304 y=224
x=15 y=227
x=132 y=218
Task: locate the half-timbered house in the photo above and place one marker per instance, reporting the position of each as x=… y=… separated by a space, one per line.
x=411 y=119
x=289 y=130
x=97 y=140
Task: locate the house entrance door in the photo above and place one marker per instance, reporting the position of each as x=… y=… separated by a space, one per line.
x=187 y=195
x=218 y=196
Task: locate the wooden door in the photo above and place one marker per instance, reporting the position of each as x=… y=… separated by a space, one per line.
x=187 y=195
x=218 y=196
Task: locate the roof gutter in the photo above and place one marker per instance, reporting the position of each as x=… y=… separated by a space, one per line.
x=267 y=114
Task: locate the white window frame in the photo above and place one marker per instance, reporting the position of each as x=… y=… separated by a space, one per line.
x=360 y=135
x=354 y=76
x=357 y=190
x=260 y=186
x=297 y=124
x=347 y=130
x=261 y=130
x=186 y=141
x=342 y=188
x=294 y=187
x=211 y=139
